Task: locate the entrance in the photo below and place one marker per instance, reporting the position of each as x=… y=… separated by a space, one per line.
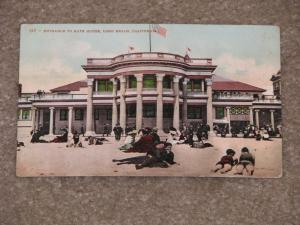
x=46 y=121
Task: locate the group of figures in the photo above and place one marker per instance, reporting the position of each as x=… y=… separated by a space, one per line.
x=249 y=131
x=245 y=163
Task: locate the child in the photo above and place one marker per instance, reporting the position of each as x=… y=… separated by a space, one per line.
x=247 y=161
x=227 y=162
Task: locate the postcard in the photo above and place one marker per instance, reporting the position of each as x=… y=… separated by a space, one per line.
x=149 y=100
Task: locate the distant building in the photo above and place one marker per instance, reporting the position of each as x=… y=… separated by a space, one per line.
x=276 y=79
x=148 y=89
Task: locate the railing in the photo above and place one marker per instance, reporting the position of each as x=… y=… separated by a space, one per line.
x=46 y=97
x=267 y=99
x=233 y=97
x=149 y=56
x=196 y=93
x=102 y=93
x=25 y=99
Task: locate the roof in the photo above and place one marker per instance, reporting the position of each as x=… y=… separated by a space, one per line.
x=75 y=86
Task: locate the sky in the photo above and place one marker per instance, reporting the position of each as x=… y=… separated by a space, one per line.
x=51 y=55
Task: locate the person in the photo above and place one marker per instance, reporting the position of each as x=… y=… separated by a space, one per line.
x=75 y=141
x=161 y=155
x=127 y=129
x=246 y=162
x=234 y=131
x=155 y=136
x=226 y=162
x=144 y=144
x=129 y=140
x=190 y=134
x=172 y=137
x=82 y=131
x=118 y=131
x=105 y=130
x=61 y=138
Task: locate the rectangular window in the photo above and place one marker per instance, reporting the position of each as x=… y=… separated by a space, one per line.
x=220 y=112
x=189 y=86
x=167 y=81
x=25 y=114
x=131 y=110
x=132 y=82
x=194 y=112
x=105 y=86
x=149 y=81
x=168 y=111
x=79 y=113
x=108 y=114
x=149 y=110
x=63 y=114
x=197 y=85
x=96 y=114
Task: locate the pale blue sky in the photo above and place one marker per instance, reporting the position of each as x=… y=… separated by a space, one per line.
x=50 y=59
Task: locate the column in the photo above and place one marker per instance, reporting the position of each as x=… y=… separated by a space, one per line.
x=209 y=103
x=251 y=115
x=228 y=118
x=176 y=102
x=139 y=101
x=272 y=118
x=159 y=101
x=122 y=102
x=184 y=92
x=51 y=120
x=33 y=118
x=202 y=86
x=70 y=119
x=257 y=117
x=96 y=85
x=114 y=104
x=89 y=109
x=37 y=117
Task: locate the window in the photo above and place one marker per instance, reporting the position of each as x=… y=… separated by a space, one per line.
x=79 y=114
x=109 y=114
x=131 y=110
x=194 y=112
x=63 y=114
x=149 y=81
x=197 y=85
x=220 y=112
x=189 y=86
x=96 y=114
x=168 y=111
x=25 y=114
x=105 y=86
x=132 y=82
x=149 y=110
x=167 y=81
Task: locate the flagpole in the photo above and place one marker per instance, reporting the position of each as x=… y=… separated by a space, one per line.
x=150 y=38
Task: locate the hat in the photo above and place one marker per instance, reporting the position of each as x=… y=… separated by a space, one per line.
x=245 y=149
x=132 y=132
x=154 y=129
x=230 y=151
x=173 y=132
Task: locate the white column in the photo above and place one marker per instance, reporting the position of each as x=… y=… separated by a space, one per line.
x=114 y=104
x=184 y=109
x=159 y=101
x=89 y=109
x=202 y=86
x=122 y=102
x=70 y=119
x=251 y=115
x=257 y=117
x=51 y=120
x=139 y=101
x=96 y=85
x=272 y=118
x=209 y=103
x=228 y=117
x=33 y=118
x=176 y=102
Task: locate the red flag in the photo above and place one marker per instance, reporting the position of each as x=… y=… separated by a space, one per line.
x=160 y=30
x=130 y=48
x=188 y=49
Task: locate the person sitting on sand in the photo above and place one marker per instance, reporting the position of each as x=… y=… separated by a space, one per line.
x=144 y=144
x=129 y=140
x=61 y=138
x=227 y=162
x=155 y=136
x=246 y=162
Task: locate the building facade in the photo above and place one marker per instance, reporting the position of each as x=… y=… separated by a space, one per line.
x=147 y=89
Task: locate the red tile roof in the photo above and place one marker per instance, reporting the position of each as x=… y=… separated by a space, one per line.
x=234 y=86
x=75 y=86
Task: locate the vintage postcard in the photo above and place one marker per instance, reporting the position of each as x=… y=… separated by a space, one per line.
x=149 y=100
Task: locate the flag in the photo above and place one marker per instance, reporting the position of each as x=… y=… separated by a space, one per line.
x=160 y=30
x=188 y=49
x=130 y=48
